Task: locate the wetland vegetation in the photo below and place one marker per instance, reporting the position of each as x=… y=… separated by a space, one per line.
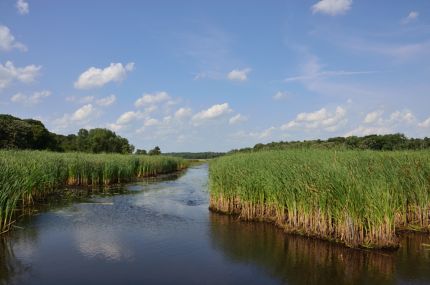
x=28 y=176
x=358 y=198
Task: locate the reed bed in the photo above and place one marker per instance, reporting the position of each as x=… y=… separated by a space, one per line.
x=26 y=176
x=358 y=198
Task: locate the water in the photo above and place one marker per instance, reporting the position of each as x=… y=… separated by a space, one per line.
x=161 y=232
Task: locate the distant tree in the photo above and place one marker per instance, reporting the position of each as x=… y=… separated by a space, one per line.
x=24 y=134
x=141 y=151
x=260 y=146
x=195 y=155
x=82 y=141
x=155 y=151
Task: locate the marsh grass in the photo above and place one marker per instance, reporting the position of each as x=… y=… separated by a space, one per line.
x=27 y=176
x=358 y=198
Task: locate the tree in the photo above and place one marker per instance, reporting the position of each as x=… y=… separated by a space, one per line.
x=155 y=151
x=141 y=151
x=24 y=134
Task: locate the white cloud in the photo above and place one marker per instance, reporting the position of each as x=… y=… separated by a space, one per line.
x=114 y=127
x=83 y=113
x=404 y=116
x=151 y=122
x=321 y=119
x=9 y=73
x=106 y=101
x=280 y=95
x=128 y=117
x=83 y=117
x=33 y=99
x=375 y=123
x=213 y=112
x=150 y=99
x=23 y=7
x=365 y=131
x=372 y=117
x=412 y=16
x=266 y=133
x=182 y=113
x=19 y=98
x=237 y=119
x=239 y=74
x=332 y=7
x=425 y=123
x=8 y=42
x=96 y=77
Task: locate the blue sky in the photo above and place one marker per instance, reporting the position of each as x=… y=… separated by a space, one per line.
x=217 y=75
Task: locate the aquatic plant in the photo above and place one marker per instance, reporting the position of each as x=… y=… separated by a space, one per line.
x=358 y=198
x=26 y=176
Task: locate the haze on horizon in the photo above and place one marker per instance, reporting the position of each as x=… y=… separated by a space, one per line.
x=205 y=75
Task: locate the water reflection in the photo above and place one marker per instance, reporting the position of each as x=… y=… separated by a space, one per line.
x=10 y=266
x=299 y=260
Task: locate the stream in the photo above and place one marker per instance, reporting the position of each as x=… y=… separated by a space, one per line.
x=160 y=231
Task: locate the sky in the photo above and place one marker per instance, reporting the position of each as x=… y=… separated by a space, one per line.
x=218 y=75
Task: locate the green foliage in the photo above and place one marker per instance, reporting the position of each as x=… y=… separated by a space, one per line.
x=24 y=134
x=26 y=176
x=359 y=198
x=195 y=155
x=370 y=142
x=32 y=134
x=155 y=151
x=141 y=151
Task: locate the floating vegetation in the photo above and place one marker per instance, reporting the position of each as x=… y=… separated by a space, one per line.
x=358 y=198
x=26 y=176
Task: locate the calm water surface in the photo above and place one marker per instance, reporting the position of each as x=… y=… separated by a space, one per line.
x=161 y=232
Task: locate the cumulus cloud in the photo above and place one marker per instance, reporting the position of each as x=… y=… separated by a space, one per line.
x=425 y=123
x=375 y=123
x=106 y=101
x=83 y=117
x=332 y=7
x=404 y=116
x=372 y=117
x=97 y=77
x=182 y=113
x=411 y=17
x=366 y=130
x=22 y=7
x=237 y=119
x=128 y=117
x=32 y=99
x=8 y=42
x=83 y=113
x=9 y=73
x=150 y=122
x=151 y=99
x=321 y=119
x=213 y=112
x=239 y=74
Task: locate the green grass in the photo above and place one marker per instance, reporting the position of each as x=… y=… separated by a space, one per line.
x=359 y=198
x=26 y=176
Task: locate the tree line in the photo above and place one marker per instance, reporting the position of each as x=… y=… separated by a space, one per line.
x=371 y=142
x=16 y=133
x=195 y=155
